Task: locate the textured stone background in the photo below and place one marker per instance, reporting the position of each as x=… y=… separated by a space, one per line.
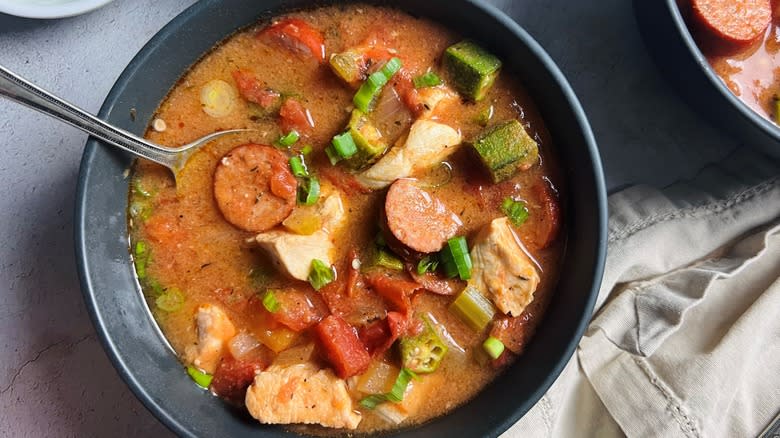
x=55 y=379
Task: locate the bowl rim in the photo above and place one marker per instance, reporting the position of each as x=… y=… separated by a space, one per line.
x=69 y=9
x=92 y=146
x=764 y=124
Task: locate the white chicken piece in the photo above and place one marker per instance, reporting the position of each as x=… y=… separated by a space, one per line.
x=214 y=331
x=435 y=98
x=428 y=144
x=502 y=270
x=293 y=253
x=301 y=394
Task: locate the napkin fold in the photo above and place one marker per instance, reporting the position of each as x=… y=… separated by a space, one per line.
x=685 y=338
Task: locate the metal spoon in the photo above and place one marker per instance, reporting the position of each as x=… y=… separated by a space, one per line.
x=22 y=91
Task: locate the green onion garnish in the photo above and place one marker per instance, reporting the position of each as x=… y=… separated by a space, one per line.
x=493 y=347
x=473 y=308
x=429 y=79
x=308 y=191
x=170 y=301
x=370 y=89
x=320 y=274
x=428 y=263
x=395 y=395
x=298 y=167
x=344 y=145
x=202 y=379
x=306 y=150
x=270 y=303
x=455 y=258
x=141 y=258
x=516 y=211
x=139 y=189
x=333 y=156
x=388 y=260
x=288 y=139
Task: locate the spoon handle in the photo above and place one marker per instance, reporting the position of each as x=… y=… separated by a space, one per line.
x=21 y=91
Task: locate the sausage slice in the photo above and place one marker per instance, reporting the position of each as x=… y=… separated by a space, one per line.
x=734 y=21
x=254 y=188
x=417 y=219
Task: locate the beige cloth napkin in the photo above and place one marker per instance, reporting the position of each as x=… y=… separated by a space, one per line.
x=685 y=339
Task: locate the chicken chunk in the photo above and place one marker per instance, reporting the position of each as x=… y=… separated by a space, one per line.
x=301 y=394
x=293 y=253
x=502 y=270
x=214 y=331
x=428 y=144
x=435 y=99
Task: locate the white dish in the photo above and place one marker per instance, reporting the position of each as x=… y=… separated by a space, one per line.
x=49 y=8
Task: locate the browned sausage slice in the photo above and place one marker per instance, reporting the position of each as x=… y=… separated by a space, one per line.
x=254 y=187
x=417 y=219
x=734 y=21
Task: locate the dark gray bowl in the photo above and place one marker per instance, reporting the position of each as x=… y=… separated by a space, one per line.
x=677 y=55
x=120 y=314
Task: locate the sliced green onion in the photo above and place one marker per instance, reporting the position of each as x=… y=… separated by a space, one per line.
x=396 y=395
x=288 y=139
x=320 y=274
x=370 y=89
x=298 y=167
x=139 y=189
x=171 y=300
x=306 y=150
x=309 y=191
x=428 y=263
x=387 y=260
x=333 y=156
x=202 y=379
x=493 y=347
x=429 y=79
x=270 y=303
x=141 y=258
x=516 y=211
x=455 y=258
x=344 y=145
x=473 y=308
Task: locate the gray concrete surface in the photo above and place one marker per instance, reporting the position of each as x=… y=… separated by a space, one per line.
x=55 y=379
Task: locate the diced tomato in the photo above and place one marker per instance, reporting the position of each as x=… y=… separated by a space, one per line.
x=503 y=360
x=252 y=90
x=341 y=346
x=282 y=182
x=343 y=180
x=348 y=298
x=293 y=115
x=549 y=221
x=513 y=332
x=233 y=377
x=396 y=292
x=433 y=282
x=298 y=310
x=297 y=36
x=380 y=335
x=404 y=86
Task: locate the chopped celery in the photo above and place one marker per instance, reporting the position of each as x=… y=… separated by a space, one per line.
x=201 y=378
x=395 y=395
x=171 y=300
x=505 y=149
x=348 y=65
x=387 y=260
x=493 y=347
x=367 y=138
x=141 y=257
x=423 y=353
x=472 y=68
x=320 y=274
x=516 y=211
x=455 y=258
x=473 y=308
